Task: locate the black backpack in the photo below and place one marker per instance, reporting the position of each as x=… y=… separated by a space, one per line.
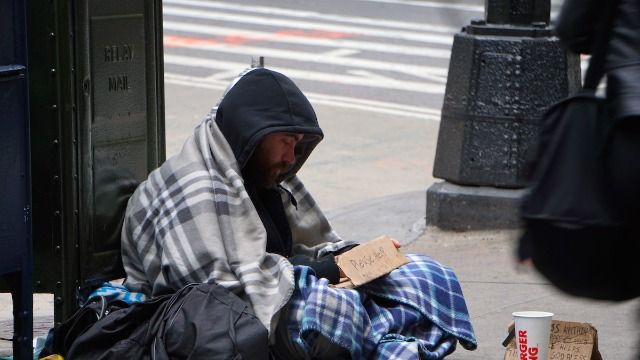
x=199 y=321
x=61 y=337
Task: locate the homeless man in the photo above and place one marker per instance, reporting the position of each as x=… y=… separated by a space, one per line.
x=229 y=209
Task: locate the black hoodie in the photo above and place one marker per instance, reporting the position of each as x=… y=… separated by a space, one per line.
x=263 y=102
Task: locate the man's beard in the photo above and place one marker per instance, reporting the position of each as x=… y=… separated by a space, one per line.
x=264 y=175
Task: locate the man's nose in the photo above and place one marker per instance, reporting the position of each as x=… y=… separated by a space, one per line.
x=289 y=156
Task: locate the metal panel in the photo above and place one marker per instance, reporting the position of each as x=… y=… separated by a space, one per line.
x=10 y=34
x=100 y=131
x=53 y=151
x=14 y=159
x=119 y=135
x=15 y=224
x=15 y=207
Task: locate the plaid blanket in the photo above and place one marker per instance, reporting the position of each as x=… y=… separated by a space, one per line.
x=192 y=221
x=416 y=312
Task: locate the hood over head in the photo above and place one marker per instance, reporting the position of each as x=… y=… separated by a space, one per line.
x=263 y=102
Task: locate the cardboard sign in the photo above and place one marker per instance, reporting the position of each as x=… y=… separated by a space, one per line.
x=369 y=261
x=569 y=340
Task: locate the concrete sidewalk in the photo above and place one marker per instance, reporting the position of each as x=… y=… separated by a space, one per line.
x=493 y=286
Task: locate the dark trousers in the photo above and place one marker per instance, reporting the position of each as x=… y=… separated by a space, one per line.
x=598 y=262
x=624 y=167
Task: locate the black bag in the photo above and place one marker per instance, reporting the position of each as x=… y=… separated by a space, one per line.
x=60 y=338
x=573 y=230
x=568 y=214
x=200 y=321
x=569 y=184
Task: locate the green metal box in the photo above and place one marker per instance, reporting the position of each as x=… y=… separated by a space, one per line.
x=97 y=120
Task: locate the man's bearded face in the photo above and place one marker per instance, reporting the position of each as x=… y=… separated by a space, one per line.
x=274 y=156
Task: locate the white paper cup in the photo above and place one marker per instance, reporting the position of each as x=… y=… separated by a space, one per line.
x=533 y=330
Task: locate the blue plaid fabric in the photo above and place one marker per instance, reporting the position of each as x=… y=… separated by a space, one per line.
x=117 y=292
x=415 y=312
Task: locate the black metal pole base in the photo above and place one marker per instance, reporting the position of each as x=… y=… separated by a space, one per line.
x=461 y=208
x=497 y=89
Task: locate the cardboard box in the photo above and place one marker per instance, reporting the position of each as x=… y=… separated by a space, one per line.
x=568 y=341
x=369 y=261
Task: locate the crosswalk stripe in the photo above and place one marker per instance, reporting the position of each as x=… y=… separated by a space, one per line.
x=438 y=74
x=292 y=38
x=343 y=38
x=343 y=79
x=432 y=4
x=555 y=5
x=315 y=15
x=339 y=53
x=257 y=20
x=421 y=113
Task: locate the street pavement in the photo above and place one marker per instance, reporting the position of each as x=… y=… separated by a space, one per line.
x=493 y=285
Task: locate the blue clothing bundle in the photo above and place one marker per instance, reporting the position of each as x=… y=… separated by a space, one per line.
x=415 y=312
x=111 y=292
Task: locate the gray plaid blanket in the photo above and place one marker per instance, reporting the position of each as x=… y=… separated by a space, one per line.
x=193 y=221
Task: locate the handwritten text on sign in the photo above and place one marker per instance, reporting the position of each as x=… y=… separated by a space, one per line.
x=371 y=260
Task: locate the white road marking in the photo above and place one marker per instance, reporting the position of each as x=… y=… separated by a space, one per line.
x=223 y=75
x=423 y=75
x=267 y=10
x=438 y=73
x=253 y=35
x=368 y=74
x=344 y=79
x=433 y=4
x=336 y=33
x=330 y=100
x=282 y=23
x=339 y=53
